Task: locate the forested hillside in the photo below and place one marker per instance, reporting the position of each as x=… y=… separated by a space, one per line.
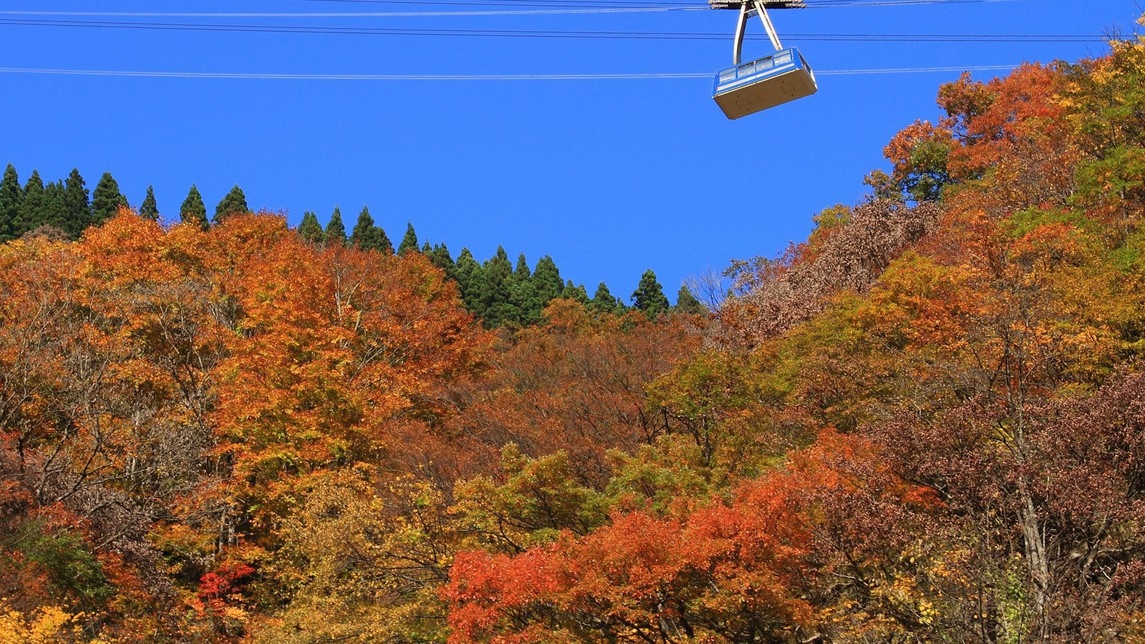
x=496 y=291
x=925 y=423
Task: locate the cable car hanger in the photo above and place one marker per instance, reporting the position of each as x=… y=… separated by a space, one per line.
x=770 y=80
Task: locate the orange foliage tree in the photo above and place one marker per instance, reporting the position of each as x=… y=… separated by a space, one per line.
x=750 y=569
x=577 y=384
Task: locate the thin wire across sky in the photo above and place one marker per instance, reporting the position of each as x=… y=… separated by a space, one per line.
x=465 y=77
x=539 y=7
x=554 y=34
x=177 y=21
x=250 y=22
x=536 y=8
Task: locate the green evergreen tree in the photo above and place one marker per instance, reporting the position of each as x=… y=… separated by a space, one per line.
x=193 y=210
x=310 y=229
x=149 y=209
x=383 y=240
x=54 y=212
x=409 y=241
x=577 y=292
x=470 y=277
x=365 y=233
x=522 y=271
x=526 y=306
x=106 y=200
x=32 y=210
x=495 y=291
x=77 y=207
x=438 y=255
x=11 y=203
x=335 y=229
x=687 y=303
x=604 y=301
x=649 y=295
x=547 y=281
x=232 y=204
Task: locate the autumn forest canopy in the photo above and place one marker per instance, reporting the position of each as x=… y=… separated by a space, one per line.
x=497 y=291
x=924 y=423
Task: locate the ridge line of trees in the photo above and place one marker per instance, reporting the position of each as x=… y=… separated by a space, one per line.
x=496 y=290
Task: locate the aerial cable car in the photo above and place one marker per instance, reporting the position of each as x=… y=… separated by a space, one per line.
x=765 y=82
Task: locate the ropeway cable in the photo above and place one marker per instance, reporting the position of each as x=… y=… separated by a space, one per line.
x=698 y=4
x=561 y=10
x=470 y=77
x=557 y=35
x=352 y=14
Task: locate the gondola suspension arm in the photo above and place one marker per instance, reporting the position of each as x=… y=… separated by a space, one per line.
x=745 y=12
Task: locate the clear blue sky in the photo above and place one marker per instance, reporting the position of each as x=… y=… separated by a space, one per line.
x=608 y=176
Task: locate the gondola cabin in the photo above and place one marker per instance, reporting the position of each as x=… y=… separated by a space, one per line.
x=765 y=82
x=771 y=80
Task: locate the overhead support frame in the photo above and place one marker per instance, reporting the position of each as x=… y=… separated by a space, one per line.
x=748 y=8
x=768 y=4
